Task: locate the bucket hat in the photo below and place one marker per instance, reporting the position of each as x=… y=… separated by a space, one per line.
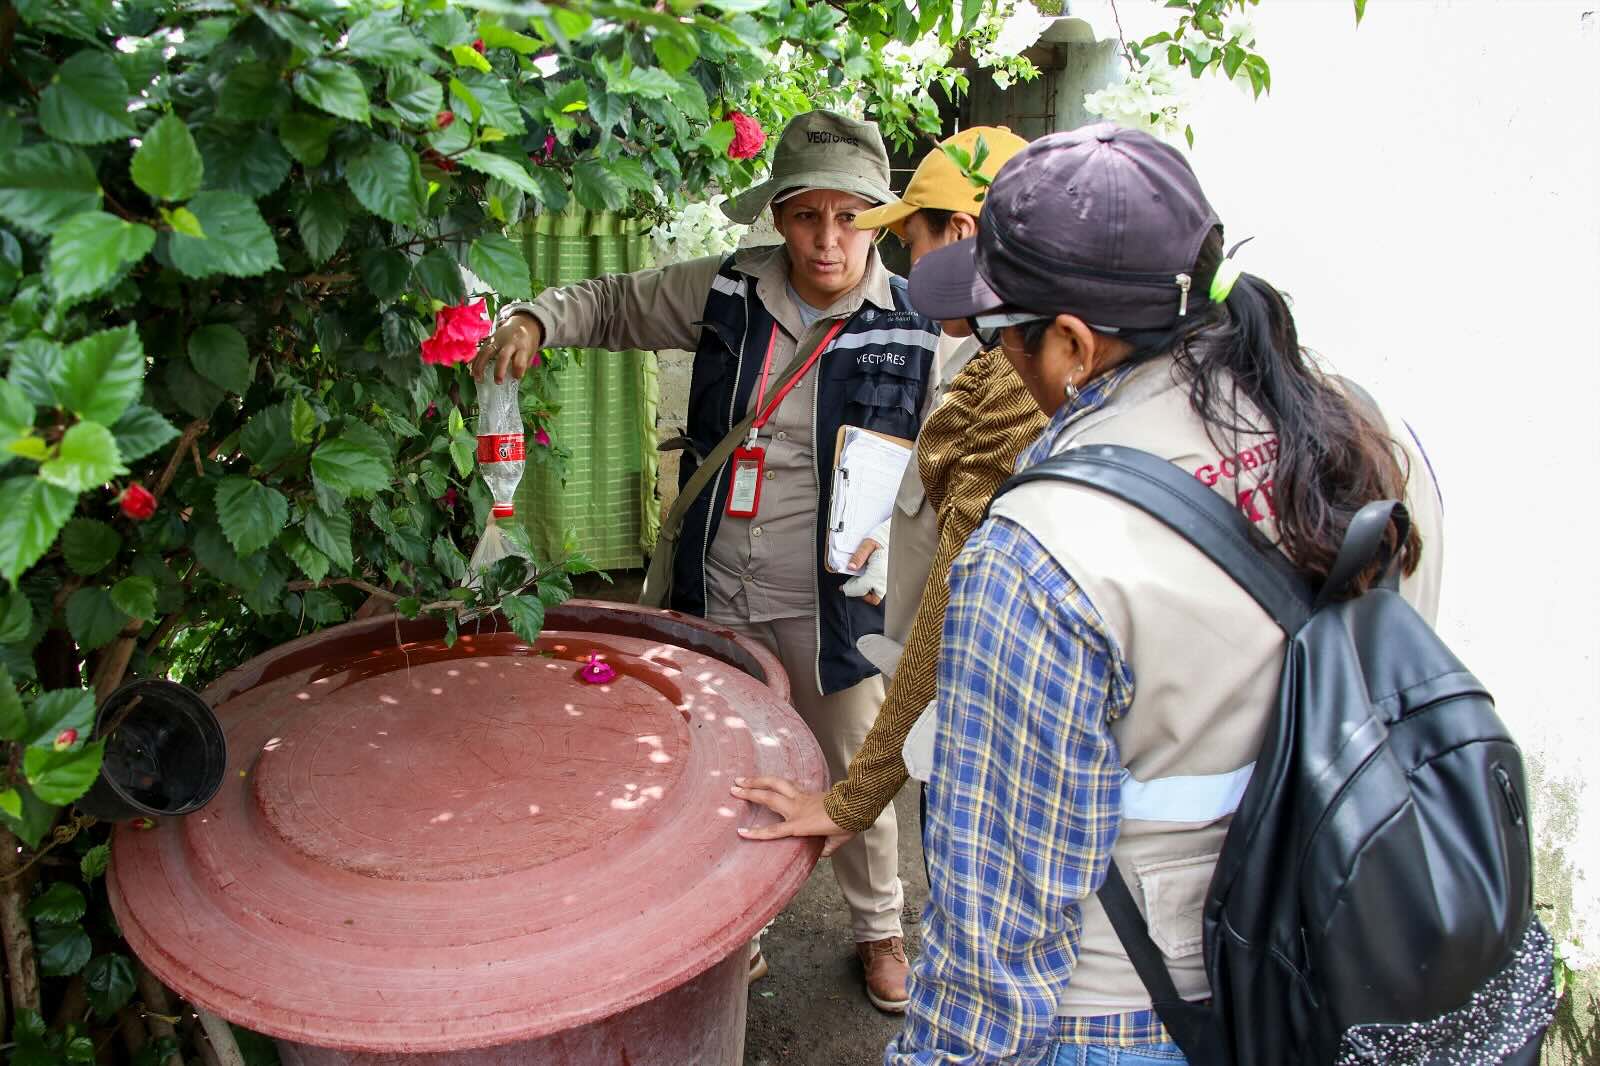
x=1103 y=222
x=820 y=150
x=939 y=184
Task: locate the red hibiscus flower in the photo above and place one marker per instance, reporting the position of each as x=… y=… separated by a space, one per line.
x=443 y=119
x=137 y=503
x=748 y=136
x=541 y=437
x=456 y=333
x=478 y=46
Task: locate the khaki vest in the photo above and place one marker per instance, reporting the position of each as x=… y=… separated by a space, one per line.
x=1204 y=657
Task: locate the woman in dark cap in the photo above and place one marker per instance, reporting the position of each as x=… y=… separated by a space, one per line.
x=1104 y=691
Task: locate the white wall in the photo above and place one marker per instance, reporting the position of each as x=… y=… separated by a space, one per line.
x=1426 y=189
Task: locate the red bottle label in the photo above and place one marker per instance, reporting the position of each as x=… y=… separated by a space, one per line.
x=501 y=448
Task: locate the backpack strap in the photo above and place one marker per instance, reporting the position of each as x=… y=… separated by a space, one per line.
x=1363 y=545
x=1194 y=512
x=1192 y=1026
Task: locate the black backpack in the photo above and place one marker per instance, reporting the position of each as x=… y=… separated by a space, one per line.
x=1373 y=902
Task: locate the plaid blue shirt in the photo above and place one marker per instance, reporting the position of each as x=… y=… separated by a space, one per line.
x=1024 y=805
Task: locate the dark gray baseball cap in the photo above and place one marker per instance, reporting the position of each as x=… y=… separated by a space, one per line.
x=1103 y=222
x=820 y=150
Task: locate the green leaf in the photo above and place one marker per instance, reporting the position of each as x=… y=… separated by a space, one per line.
x=220 y=355
x=510 y=171
x=141 y=432
x=597 y=188
x=322 y=220
x=91 y=251
x=384 y=41
x=448 y=558
x=388 y=181
x=494 y=98
x=251 y=514
x=217 y=556
x=652 y=83
x=440 y=277
x=267 y=438
x=95 y=861
x=1361 y=11
x=190 y=391
x=303 y=421
x=61 y=904
x=54 y=711
x=330 y=534
x=416 y=97
x=495 y=36
x=467 y=56
x=463 y=452
x=332 y=87
x=135 y=597
x=573 y=21
x=87 y=101
x=63 y=949
x=167 y=165
x=251 y=92
x=499 y=261
x=237 y=241
x=250 y=162
x=16 y=617
x=182 y=220
x=386 y=273
x=295 y=30
x=108 y=979
x=677 y=52
x=87 y=459
x=526 y=615
x=32 y=511
x=355 y=463
x=11 y=800
x=323 y=607
x=102 y=374
x=311 y=562
x=60 y=777
x=89 y=545
x=306 y=136
x=94 y=621
x=43 y=186
x=16 y=412
x=720 y=136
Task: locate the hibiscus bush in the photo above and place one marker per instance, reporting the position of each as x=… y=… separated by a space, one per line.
x=244 y=251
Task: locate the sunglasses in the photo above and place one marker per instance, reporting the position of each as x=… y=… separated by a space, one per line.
x=988 y=329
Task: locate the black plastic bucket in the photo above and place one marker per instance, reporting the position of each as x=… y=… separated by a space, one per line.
x=165 y=754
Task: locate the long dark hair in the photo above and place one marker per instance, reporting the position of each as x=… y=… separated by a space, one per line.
x=1335 y=454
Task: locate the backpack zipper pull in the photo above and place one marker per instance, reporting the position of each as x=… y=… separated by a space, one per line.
x=1184 y=281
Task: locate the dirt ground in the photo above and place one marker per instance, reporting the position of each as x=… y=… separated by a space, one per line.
x=810 y=1010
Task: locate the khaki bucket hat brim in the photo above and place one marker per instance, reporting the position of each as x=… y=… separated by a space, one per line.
x=748 y=205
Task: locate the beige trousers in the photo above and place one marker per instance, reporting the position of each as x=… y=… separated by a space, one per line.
x=867 y=868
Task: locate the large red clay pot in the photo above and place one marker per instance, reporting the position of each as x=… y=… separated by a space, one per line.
x=469 y=855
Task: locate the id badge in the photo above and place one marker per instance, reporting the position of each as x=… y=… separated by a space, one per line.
x=745 y=496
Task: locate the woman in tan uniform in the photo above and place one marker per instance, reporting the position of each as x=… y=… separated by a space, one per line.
x=982 y=417
x=749 y=551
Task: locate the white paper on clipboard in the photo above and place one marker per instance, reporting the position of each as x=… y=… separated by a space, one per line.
x=866 y=476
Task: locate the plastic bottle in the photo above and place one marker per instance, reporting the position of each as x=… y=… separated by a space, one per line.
x=501 y=451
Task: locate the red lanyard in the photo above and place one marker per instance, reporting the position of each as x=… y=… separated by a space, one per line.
x=766 y=368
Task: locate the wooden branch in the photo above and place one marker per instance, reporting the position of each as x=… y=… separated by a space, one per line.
x=191 y=432
x=114 y=662
x=20 y=958
x=220 y=1037
x=74 y=1003
x=158 y=1008
x=134 y=1036
x=354 y=582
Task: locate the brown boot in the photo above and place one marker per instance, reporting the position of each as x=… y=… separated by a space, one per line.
x=886 y=971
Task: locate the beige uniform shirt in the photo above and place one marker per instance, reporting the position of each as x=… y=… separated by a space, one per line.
x=757 y=569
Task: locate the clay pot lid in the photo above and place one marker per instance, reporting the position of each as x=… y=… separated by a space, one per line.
x=420 y=848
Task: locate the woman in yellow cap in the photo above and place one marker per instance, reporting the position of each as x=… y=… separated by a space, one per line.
x=981 y=417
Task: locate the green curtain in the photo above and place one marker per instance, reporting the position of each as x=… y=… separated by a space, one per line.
x=608 y=407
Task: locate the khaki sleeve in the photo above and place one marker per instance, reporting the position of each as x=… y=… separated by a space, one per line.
x=648 y=309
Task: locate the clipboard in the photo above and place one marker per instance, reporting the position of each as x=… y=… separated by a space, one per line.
x=853 y=516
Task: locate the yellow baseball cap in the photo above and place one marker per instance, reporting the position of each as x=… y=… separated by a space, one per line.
x=938 y=183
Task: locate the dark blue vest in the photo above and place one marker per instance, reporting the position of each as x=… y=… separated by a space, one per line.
x=873 y=376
